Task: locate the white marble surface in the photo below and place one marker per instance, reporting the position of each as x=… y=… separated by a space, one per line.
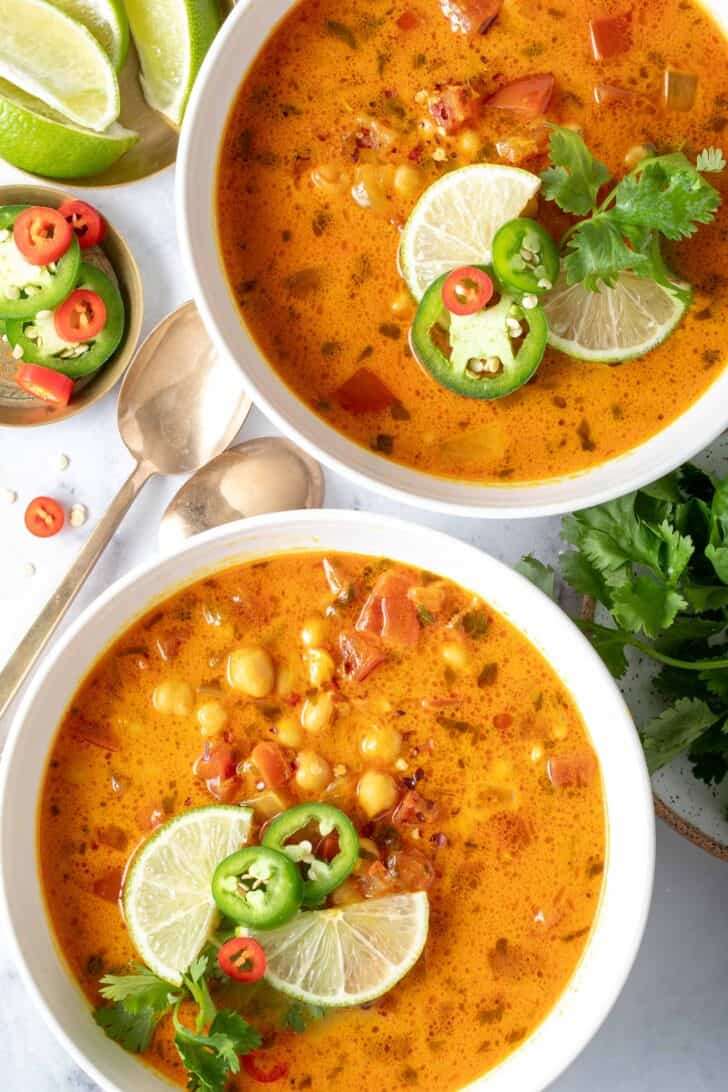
x=667 y=1031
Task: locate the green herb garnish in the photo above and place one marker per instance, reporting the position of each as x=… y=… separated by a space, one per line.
x=664 y=196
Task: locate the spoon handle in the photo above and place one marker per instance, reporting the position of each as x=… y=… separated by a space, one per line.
x=45 y=624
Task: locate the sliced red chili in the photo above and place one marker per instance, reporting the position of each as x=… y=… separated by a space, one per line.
x=44 y=517
x=86 y=222
x=42 y=235
x=467 y=290
x=81 y=317
x=276 y=1072
x=242 y=959
x=45 y=383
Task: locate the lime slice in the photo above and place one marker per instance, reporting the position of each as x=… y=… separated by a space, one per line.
x=37 y=139
x=455 y=220
x=107 y=21
x=613 y=324
x=51 y=56
x=348 y=955
x=172 y=38
x=168 y=903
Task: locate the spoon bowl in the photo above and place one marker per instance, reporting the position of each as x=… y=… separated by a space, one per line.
x=251 y=479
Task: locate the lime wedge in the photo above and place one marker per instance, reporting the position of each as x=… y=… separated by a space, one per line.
x=107 y=21
x=51 y=56
x=613 y=324
x=457 y=217
x=168 y=903
x=347 y=955
x=172 y=38
x=37 y=139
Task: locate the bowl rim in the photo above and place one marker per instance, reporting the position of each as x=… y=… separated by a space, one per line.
x=621 y=918
x=207 y=111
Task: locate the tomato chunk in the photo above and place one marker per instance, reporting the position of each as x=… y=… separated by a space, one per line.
x=87 y=224
x=272 y=764
x=364 y=392
x=359 y=656
x=408 y=20
x=610 y=35
x=574 y=771
x=389 y=612
x=530 y=95
x=44 y=517
x=414 y=809
x=42 y=235
x=81 y=317
x=45 y=383
x=471 y=16
x=455 y=105
x=216 y=767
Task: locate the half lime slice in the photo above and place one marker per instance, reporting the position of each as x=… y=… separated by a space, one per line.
x=348 y=955
x=456 y=219
x=37 y=139
x=172 y=38
x=168 y=903
x=57 y=60
x=613 y=324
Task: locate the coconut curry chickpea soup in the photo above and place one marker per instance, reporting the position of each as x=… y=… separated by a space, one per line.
x=322 y=820
x=477 y=236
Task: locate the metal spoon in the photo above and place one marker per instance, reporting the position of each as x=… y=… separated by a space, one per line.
x=179 y=406
x=265 y=475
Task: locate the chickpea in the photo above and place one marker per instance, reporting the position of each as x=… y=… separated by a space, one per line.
x=376 y=792
x=371 y=184
x=560 y=730
x=251 y=670
x=313 y=772
x=290 y=732
x=212 y=718
x=401 y=304
x=637 y=153
x=318 y=712
x=330 y=179
x=314 y=631
x=173 y=697
x=321 y=667
x=382 y=743
x=456 y=656
x=469 y=144
x=408 y=180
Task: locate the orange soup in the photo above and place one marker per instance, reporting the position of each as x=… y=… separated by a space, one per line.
x=400 y=703
x=353 y=108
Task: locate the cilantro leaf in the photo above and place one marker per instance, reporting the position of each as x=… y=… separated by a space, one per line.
x=667 y=195
x=299 y=1015
x=646 y=605
x=710 y=159
x=210 y=1059
x=610 y=644
x=576 y=177
x=132 y=1030
x=598 y=253
x=543 y=576
x=583 y=576
x=138 y=991
x=667 y=736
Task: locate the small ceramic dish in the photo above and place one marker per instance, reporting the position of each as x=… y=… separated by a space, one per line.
x=19 y=409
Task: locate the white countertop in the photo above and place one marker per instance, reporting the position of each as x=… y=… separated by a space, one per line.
x=667 y=1032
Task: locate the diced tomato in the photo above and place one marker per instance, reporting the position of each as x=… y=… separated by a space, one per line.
x=610 y=35
x=45 y=383
x=389 y=612
x=530 y=95
x=150 y=816
x=359 y=656
x=276 y=1072
x=364 y=392
x=572 y=771
x=471 y=16
x=87 y=224
x=44 y=517
x=339 y=580
x=272 y=764
x=81 y=317
x=42 y=235
x=216 y=767
x=408 y=20
x=108 y=886
x=113 y=837
x=406 y=870
x=455 y=105
x=414 y=809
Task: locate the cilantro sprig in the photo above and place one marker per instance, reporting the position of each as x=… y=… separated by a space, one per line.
x=139 y=1001
x=657 y=562
x=665 y=196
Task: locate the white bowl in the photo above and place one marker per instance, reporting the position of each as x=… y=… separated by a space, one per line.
x=236 y=46
x=629 y=863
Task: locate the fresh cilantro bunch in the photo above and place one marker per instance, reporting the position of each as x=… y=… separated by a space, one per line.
x=664 y=196
x=657 y=560
x=139 y=1001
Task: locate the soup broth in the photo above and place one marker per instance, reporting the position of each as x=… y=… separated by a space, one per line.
x=332 y=138
x=489 y=799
